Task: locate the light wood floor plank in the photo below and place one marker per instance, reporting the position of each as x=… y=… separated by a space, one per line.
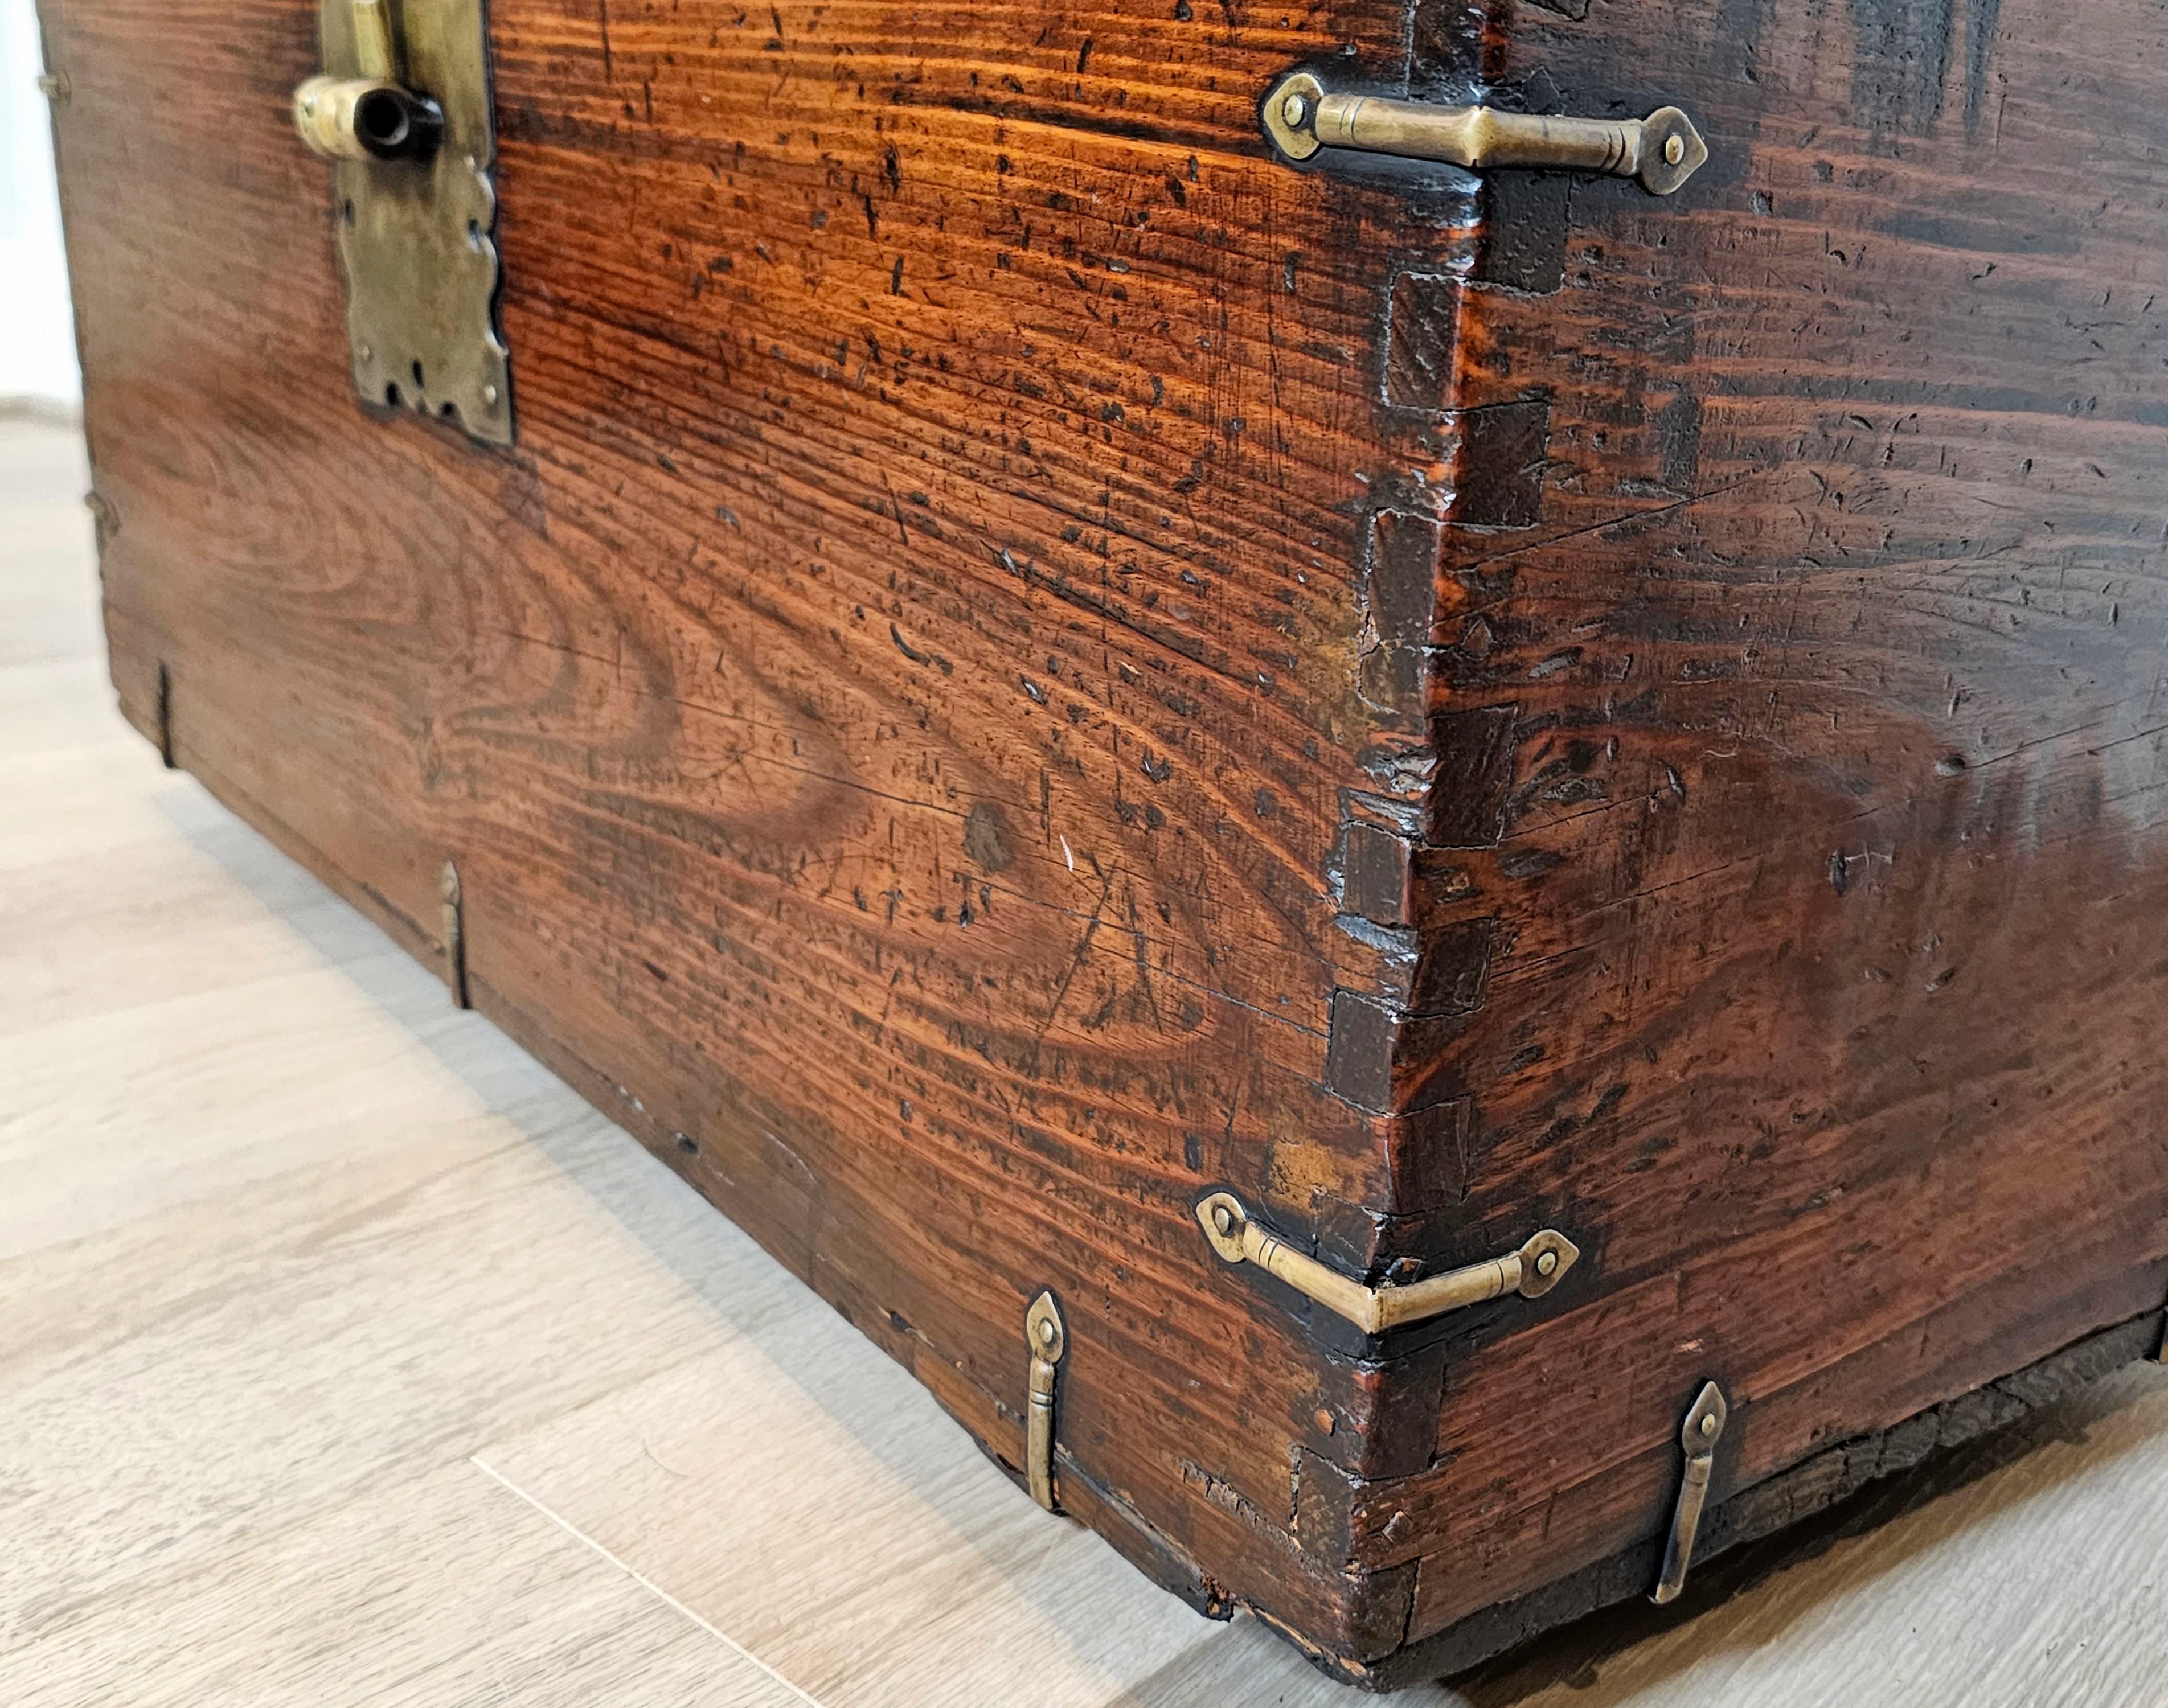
x=905 y=1571
x=442 y=1591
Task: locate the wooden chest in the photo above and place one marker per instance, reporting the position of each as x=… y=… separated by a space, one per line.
x=1412 y=872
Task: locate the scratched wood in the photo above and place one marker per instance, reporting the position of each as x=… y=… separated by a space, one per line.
x=928 y=850
x=1032 y=660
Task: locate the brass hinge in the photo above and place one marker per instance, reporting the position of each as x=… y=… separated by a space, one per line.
x=1697 y=1435
x=1302 y=116
x=1046 y=1340
x=402 y=110
x=1532 y=1271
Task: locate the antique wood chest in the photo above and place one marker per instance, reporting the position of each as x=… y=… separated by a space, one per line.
x=1393 y=768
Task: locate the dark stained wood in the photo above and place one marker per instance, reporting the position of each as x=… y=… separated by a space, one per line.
x=1032 y=660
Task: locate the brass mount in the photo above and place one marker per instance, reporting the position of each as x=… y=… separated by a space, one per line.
x=1540 y=1265
x=402 y=111
x=1302 y=116
x=1698 y=1438
x=1045 y=1341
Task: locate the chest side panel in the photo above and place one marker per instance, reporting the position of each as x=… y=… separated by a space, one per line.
x=900 y=711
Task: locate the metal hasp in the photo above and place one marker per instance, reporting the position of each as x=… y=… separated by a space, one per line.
x=1532 y=1271
x=1047 y=1340
x=1699 y=1436
x=1663 y=151
x=402 y=110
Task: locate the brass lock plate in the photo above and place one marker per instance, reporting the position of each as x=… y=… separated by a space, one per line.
x=417 y=235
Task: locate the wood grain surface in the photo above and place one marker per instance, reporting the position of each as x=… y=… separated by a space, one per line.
x=1033 y=659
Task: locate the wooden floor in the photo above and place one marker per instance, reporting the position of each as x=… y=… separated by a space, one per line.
x=347 y=1357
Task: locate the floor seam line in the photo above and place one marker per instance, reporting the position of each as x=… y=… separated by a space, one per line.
x=645 y=1583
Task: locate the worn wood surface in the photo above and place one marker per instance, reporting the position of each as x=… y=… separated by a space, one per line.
x=349 y=1357
x=1033 y=660
x=883 y=769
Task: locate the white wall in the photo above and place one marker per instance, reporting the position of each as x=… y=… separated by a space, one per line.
x=37 y=330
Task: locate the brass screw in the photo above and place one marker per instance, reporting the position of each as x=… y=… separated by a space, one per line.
x=1708 y=1423
x=489 y=394
x=1547 y=1263
x=1046 y=1331
x=1674 y=150
x=1295 y=109
x=1223 y=1218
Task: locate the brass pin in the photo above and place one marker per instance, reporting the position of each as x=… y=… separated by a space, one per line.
x=1046 y=1341
x=455 y=935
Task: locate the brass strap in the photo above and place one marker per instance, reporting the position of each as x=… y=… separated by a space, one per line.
x=1046 y=1340
x=1698 y=1436
x=1532 y=1271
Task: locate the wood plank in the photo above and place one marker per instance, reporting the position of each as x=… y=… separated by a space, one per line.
x=696 y=1478
x=327 y=1297
x=442 y=1588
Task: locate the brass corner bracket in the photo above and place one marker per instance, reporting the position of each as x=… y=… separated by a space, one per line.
x=1698 y=1434
x=1532 y=1271
x=1046 y=1340
x=1302 y=116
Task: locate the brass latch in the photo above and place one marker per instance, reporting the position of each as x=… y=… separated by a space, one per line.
x=371 y=116
x=1532 y=1271
x=402 y=111
x=1302 y=116
x=1046 y=1340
